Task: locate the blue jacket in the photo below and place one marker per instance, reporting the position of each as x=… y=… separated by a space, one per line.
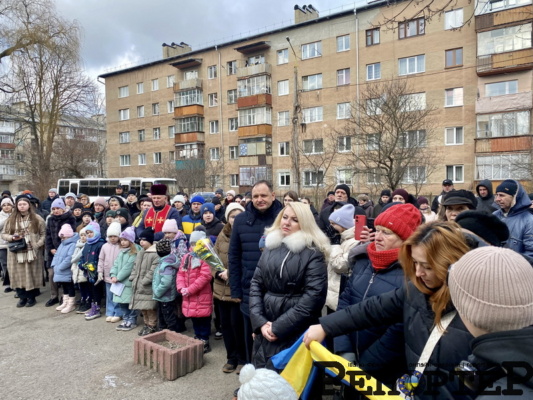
x=190 y=221
x=244 y=252
x=63 y=259
x=520 y=223
x=164 y=283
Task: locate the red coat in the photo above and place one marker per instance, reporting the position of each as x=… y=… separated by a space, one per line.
x=195 y=275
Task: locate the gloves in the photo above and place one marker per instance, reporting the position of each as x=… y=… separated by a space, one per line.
x=185 y=292
x=100 y=278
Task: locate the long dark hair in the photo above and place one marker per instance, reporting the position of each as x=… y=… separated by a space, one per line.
x=16 y=216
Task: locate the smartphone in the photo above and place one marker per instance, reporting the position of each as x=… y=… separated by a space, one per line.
x=370 y=224
x=360 y=222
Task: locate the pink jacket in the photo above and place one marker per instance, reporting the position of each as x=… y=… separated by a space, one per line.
x=107 y=257
x=195 y=275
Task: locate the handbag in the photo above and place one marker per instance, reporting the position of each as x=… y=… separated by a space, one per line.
x=17 y=246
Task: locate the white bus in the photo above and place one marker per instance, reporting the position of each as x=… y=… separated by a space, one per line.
x=105 y=187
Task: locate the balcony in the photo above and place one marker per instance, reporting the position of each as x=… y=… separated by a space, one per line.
x=258 y=69
x=190 y=137
x=7 y=177
x=254 y=100
x=188 y=84
x=191 y=164
x=255 y=130
x=255 y=160
x=10 y=146
x=503 y=144
x=508 y=102
x=187 y=111
x=503 y=17
x=500 y=63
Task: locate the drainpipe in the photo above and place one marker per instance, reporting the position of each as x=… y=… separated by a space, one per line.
x=357 y=97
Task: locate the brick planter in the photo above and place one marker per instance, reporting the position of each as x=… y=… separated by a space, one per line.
x=171 y=363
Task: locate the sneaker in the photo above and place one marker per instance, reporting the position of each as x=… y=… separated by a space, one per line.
x=83 y=308
x=128 y=326
x=218 y=335
x=121 y=326
x=228 y=368
x=115 y=319
x=108 y=318
x=207 y=347
x=51 y=302
x=93 y=313
x=146 y=330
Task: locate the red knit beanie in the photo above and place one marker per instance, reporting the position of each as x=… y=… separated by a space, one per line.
x=402 y=219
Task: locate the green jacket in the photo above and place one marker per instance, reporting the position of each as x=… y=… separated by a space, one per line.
x=121 y=270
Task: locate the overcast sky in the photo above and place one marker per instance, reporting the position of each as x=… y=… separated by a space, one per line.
x=119 y=33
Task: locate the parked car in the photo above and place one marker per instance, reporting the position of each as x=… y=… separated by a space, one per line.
x=206 y=195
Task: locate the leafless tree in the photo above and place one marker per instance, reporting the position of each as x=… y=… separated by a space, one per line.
x=188 y=173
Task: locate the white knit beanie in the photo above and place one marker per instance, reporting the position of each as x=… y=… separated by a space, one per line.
x=344 y=216
x=170 y=225
x=231 y=207
x=263 y=384
x=114 y=229
x=492 y=288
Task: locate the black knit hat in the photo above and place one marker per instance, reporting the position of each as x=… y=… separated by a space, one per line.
x=487 y=226
x=344 y=187
x=163 y=247
x=508 y=186
x=87 y=212
x=385 y=192
x=148 y=235
x=123 y=212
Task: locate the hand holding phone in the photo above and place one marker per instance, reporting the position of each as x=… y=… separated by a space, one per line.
x=360 y=223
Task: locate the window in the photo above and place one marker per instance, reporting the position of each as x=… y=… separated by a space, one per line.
x=172 y=131
x=313 y=178
x=413 y=102
x=373 y=106
x=141 y=134
x=256 y=60
x=255 y=116
x=213 y=126
x=212 y=99
x=344 y=176
x=415 y=27
x=155 y=108
x=212 y=72
x=140 y=111
x=189 y=97
x=254 y=85
x=142 y=159
x=157 y=158
x=249 y=175
x=124 y=114
x=501 y=4
x=232 y=96
x=503 y=124
x=414 y=174
x=284 y=149
x=190 y=75
x=233 y=152
x=453 y=97
x=170 y=106
x=313 y=146
x=156 y=133
x=190 y=124
x=284 y=178
x=454 y=58
x=413 y=139
x=454 y=135
x=313 y=114
x=234 y=180
x=344 y=143
x=372 y=37
x=140 y=87
x=343 y=77
x=344 y=111
x=231 y=67
x=455 y=173
x=190 y=151
x=503 y=166
x=373 y=71
x=155 y=84
x=171 y=156
x=214 y=153
x=412 y=65
x=501 y=88
x=312 y=82
x=283 y=88
x=343 y=43
x=453 y=19
x=372 y=141
x=124 y=137
x=233 y=124
x=373 y=176
x=125 y=160
x=311 y=50
x=170 y=81
x=123 y=91
x=502 y=40
x=283 y=118
x=283 y=56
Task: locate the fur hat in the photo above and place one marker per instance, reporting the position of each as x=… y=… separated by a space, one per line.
x=401 y=192
x=263 y=384
x=123 y=212
x=455 y=197
x=93 y=226
x=232 y=206
x=6 y=200
x=179 y=198
x=402 y=219
x=207 y=207
x=66 y=231
x=113 y=229
x=196 y=236
x=508 y=186
x=198 y=199
x=163 y=247
x=344 y=216
x=128 y=234
x=159 y=190
x=58 y=203
x=77 y=205
x=344 y=187
x=385 y=192
x=487 y=226
x=101 y=201
x=170 y=225
x=148 y=235
x=491 y=288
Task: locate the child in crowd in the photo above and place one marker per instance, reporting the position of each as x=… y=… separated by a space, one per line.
x=108 y=255
x=213 y=226
x=110 y=216
x=78 y=277
x=194 y=284
x=89 y=263
x=62 y=272
x=123 y=217
x=121 y=272
x=86 y=218
x=141 y=278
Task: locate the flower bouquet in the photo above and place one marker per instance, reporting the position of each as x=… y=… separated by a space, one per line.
x=205 y=251
x=90 y=271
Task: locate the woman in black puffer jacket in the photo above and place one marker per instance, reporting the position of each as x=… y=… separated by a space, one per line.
x=289 y=286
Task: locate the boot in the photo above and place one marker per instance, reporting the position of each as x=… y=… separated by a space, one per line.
x=84 y=307
x=93 y=313
x=70 y=305
x=63 y=304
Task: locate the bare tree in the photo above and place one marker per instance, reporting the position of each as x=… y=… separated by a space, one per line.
x=188 y=173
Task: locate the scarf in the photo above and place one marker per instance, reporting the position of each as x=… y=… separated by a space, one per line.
x=23 y=226
x=381 y=259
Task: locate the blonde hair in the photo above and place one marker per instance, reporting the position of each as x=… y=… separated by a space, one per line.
x=308 y=226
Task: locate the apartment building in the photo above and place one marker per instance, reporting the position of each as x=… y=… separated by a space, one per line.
x=263 y=107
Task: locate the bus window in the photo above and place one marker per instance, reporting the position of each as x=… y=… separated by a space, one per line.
x=171 y=185
x=89 y=187
x=108 y=186
x=146 y=187
x=63 y=187
x=136 y=185
x=74 y=188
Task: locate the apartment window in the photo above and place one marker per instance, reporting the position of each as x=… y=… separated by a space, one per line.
x=453 y=97
x=413 y=139
x=233 y=152
x=454 y=58
x=343 y=76
x=124 y=137
x=231 y=67
x=312 y=82
x=232 y=96
x=311 y=50
x=344 y=143
x=503 y=124
x=140 y=87
x=283 y=88
x=233 y=124
x=373 y=71
x=124 y=114
x=455 y=173
x=155 y=84
x=123 y=91
x=413 y=102
x=313 y=114
x=372 y=141
x=503 y=166
x=234 y=180
x=502 y=40
x=142 y=159
x=284 y=178
x=249 y=175
x=156 y=133
x=313 y=146
x=373 y=106
x=412 y=65
x=344 y=111
x=125 y=160
x=190 y=124
x=170 y=106
x=414 y=174
x=453 y=19
x=140 y=111
x=213 y=126
x=283 y=56
x=283 y=118
x=190 y=75
x=171 y=156
x=373 y=176
x=141 y=135
x=254 y=85
x=189 y=97
x=284 y=149
x=157 y=158
x=172 y=131
x=454 y=135
x=256 y=60
x=212 y=72
x=212 y=99
x=415 y=27
x=372 y=37
x=155 y=108
x=255 y=116
x=170 y=81
x=343 y=43
x=214 y=153
x=501 y=88
x=345 y=176
x=313 y=178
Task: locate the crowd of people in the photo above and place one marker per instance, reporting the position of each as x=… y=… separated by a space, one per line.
x=402 y=296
